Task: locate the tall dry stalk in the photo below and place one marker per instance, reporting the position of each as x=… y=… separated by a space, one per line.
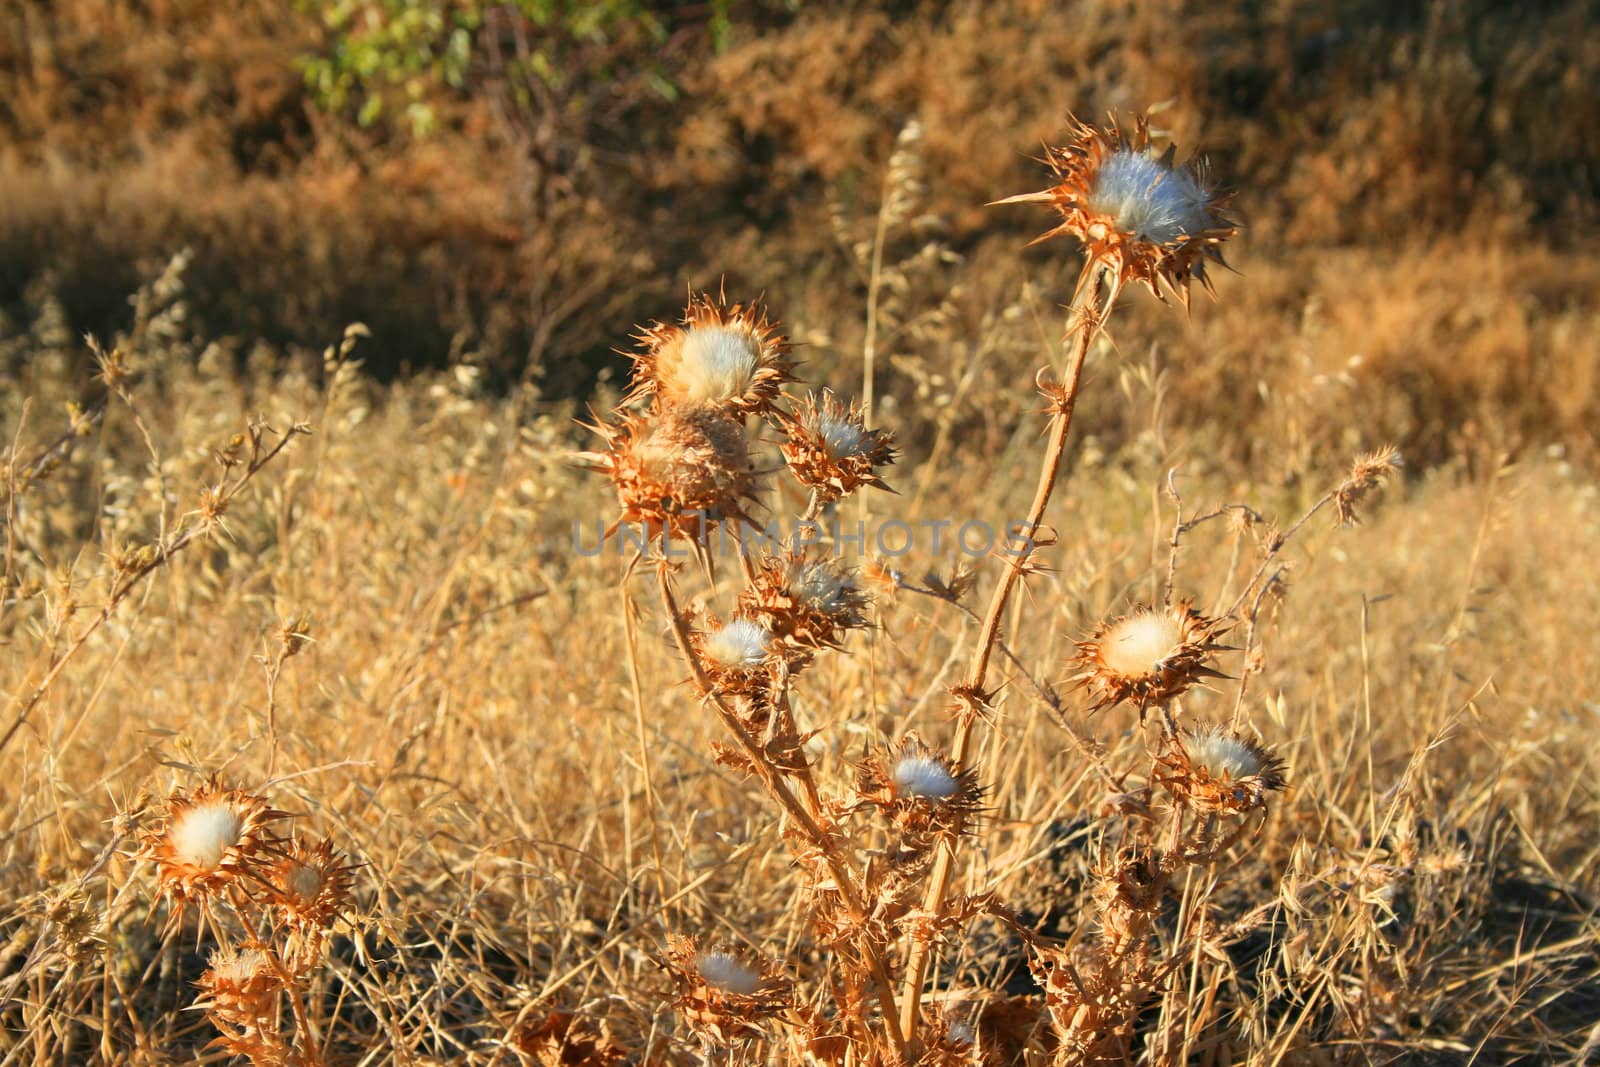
x=1095 y=296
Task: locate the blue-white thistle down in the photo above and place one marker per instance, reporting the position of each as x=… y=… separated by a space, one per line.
x=1138 y=215
x=1214 y=770
x=924 y=778
x=724 y=971
x=920 y=790
x=1223 y=756
x=830 y=450
x=739 y=645
x=1151 y=201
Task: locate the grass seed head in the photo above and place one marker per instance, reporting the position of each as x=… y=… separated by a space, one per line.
x=1133 y=210
x=1216 y=771
x=1148 y=657
x=731 y=357
x=830 y=450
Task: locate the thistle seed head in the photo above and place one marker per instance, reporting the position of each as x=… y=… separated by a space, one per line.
x=1217 y=771
x=726 y=356
x=921 y=791
x=210 y=841
x=724 y=992
x=830 y=450
x=736 y=656
x=310 y=886
x=807 y=603
x=1148 y=657
x=678 y=472
x=1134 y=211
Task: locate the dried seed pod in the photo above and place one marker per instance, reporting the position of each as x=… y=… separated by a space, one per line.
x=805 y=602
x=729 y=357
x=309 y=886
x=1148 y=657
x=1134 y=211
x=241 y=994
x=921 y=791
x=1214 y=770
x=678 y=472
x=830 y=450
x=724 y=992
x=209 y=842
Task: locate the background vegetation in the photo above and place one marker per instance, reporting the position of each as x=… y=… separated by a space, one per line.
x=1418 y=186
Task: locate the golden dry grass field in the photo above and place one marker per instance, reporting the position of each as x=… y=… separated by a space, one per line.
x=272 y=578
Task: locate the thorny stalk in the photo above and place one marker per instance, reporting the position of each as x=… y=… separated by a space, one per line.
x=844 y=878
x=1092 y=303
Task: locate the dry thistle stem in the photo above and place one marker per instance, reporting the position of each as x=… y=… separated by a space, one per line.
x=1138 y=220
x=731 y=357
x=1134 y=211
x=1148 y=657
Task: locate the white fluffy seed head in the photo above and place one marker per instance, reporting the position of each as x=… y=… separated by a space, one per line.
x=202 y=835
x=1221 y=755
x=741 y=644
x=1150 y=201
x=728 y=973
x=718 y=363
x=1135 y=645
x=924 y=778
x=842 y=434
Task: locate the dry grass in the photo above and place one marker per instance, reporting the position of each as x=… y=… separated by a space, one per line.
x=384 y=627
x=463 y=723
